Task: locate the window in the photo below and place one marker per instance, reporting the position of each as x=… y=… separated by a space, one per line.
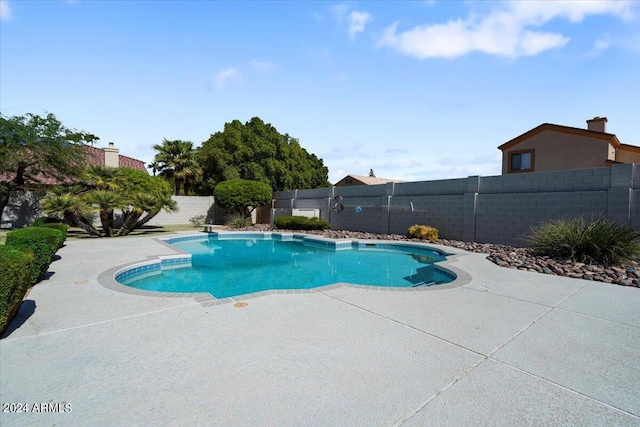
x=521 y=161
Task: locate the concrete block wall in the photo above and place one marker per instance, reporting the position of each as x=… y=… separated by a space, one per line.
x=189 y=207
x=446 y=213
x=493 y=209
x=429 y=188
x=508 y=218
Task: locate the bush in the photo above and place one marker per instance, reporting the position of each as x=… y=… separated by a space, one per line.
x=300 y=223
x=15 y=279
x=197 y=220
x=242 y=196
x=237 y=220
x=601 y=241
x=60 y=227
x=42 y=220
x=42 y=242
x=423 y=232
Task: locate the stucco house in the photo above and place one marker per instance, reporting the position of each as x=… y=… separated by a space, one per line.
x=362 y=180
x=550 y=147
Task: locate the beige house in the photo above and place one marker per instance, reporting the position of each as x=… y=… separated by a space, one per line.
x=550 y=147
x=362 y=180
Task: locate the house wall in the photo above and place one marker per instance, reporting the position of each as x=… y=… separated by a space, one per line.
x=562 y=151
x=628 y=155
x=493 y=209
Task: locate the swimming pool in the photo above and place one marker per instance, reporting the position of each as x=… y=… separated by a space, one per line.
x=227 y=265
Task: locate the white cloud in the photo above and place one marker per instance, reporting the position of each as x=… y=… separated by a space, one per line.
x=224 y=76
x=599 y=46
x=357 y=21
x=5 y=11
x=508 y=31
x=262 y=65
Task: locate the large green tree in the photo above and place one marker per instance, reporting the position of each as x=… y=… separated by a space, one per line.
x=257 y=151
x=34 y=149
x=176 y=161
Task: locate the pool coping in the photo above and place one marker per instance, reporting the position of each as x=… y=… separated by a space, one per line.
x=107 y=278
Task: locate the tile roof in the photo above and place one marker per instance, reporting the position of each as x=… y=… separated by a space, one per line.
x=94 y=156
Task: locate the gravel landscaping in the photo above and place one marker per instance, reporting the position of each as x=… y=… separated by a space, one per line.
x=509 y=257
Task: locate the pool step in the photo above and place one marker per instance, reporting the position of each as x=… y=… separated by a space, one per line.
x=424 y=284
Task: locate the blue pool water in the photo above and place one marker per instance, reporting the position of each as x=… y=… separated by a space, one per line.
x=230 y=267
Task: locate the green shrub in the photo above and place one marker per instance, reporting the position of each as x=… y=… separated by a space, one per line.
x=197 y=220
x=286 y=222
x=42 y=220
x=600 y=241
x=237 y=220
x=242 y=196
x=60 y=227
x=423 y=232
x=42 y=242
x=15 y=279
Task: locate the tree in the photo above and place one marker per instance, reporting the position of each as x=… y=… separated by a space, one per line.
x=242 y=196
x=257 y=151
x=34 y=148
x=139 y=196
x=176 y=161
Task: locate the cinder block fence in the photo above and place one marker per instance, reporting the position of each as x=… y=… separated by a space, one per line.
x=493 y=209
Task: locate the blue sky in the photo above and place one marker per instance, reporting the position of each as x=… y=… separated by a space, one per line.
x=414 y=90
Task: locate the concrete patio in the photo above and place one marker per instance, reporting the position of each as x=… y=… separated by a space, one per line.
x=502 y=347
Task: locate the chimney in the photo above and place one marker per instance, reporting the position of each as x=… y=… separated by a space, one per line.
x=111 y=156
x=597 y=124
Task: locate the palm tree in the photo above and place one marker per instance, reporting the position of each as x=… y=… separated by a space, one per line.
x=177 y=161
x=142 y=203
x=160 y=202
x=155 y=167
x=101 y=177
x=106 y=201
x=70 y=205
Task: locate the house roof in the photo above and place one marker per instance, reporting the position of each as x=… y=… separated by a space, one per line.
x=369 y=180
x=629 y=147
x=95 y=156
x=609 y=137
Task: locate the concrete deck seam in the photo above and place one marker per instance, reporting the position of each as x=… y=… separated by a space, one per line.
x=597 y=317
x=5 y=340
x=506 y=296
x=565 y=388
x=447 y=386
x=403 y=324
x=504 y=344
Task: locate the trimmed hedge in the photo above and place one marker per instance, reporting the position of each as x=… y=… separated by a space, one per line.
x=287 y=222
x=60 y=227
x=42 y=242
x=15 y=279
